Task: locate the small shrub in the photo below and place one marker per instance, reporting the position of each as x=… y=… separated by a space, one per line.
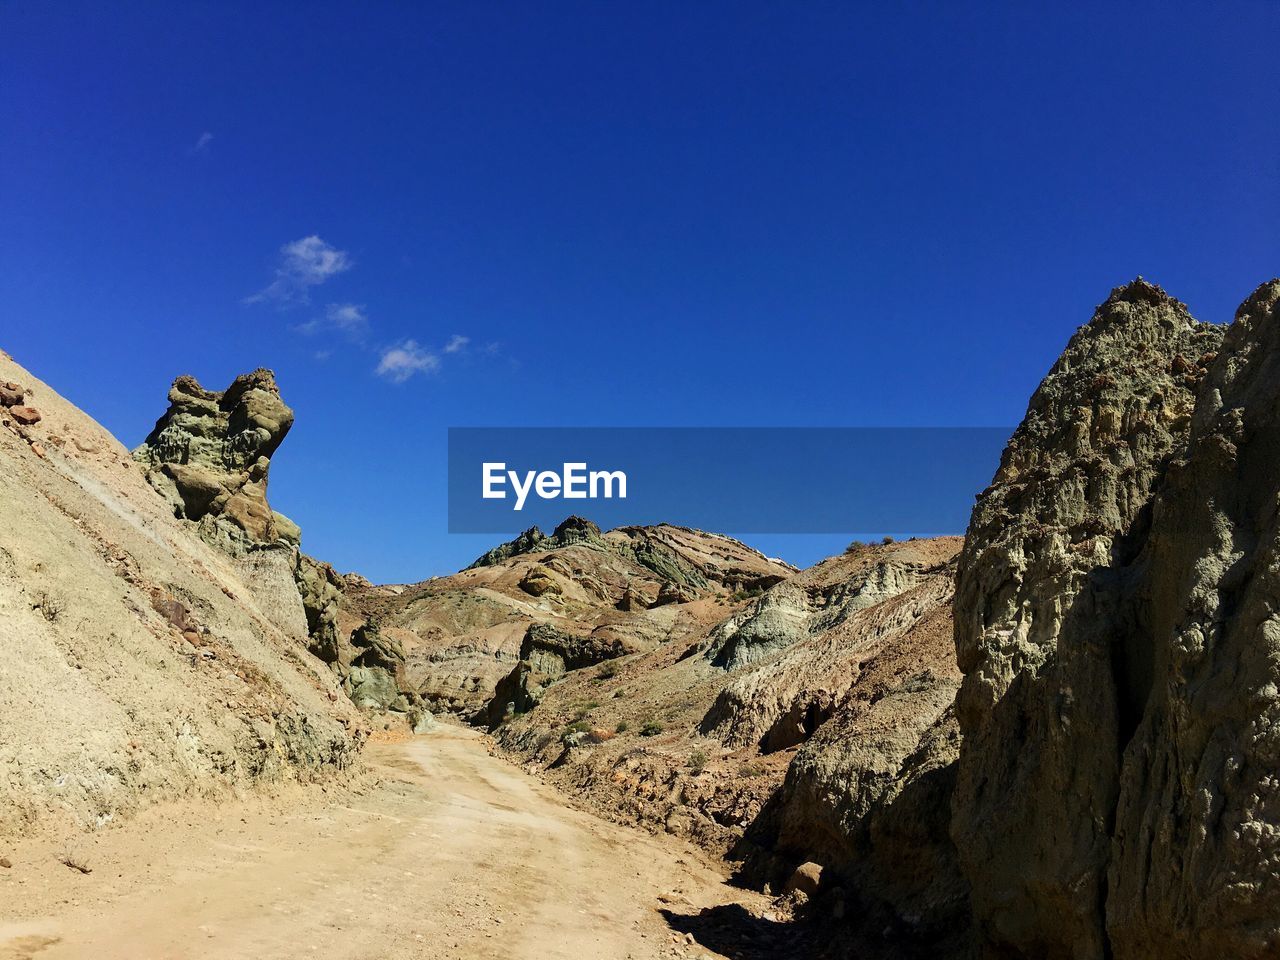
x=751 y=770
x=622 y=727
x=697 y=760
x=578 y=726
x=651 y=729
x=50 y=607
x=887 y=540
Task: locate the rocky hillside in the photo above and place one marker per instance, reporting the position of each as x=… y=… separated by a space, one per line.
x=785 y=731
x=1057 y=738
x=141 y=662
x=631 y=590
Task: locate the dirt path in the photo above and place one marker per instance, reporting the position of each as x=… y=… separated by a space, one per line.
x=454 y=854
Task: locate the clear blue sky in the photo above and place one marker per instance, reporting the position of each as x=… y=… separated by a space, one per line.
x=646 y=214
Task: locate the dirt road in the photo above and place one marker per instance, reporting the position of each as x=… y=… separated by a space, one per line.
x=454 y=854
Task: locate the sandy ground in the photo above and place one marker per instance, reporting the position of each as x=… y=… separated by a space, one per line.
x=454 y=853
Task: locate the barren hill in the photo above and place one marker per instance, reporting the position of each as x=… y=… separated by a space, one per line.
x=137 y=662
x=634 y=588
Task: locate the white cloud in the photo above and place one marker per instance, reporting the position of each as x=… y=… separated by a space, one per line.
x=456 y=343
x=348 y=317
x=402 y=361
x=202 y=143
x=304 y=263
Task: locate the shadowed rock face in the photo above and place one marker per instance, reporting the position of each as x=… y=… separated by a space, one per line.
x=1055 y=628
x=209 y=456
x=1197 y=827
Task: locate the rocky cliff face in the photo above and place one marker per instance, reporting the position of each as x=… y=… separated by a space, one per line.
x=1116 y=791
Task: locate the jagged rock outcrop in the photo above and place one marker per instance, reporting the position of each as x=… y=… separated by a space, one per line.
x=570 y=531
x=209 y=454
x=1054 y=625
x=375 y=679
x=320 y=588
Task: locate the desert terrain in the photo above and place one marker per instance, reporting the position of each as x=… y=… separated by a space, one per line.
x=1053 y=737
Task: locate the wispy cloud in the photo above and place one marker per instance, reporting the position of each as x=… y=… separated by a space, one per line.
x=402 y=361
x=202 y=143
x=456 y=343
x=348 y=318
x=304 y=264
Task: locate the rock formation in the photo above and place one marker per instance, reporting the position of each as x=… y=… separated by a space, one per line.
x=209 y=456
x=1116 y=791
x=546 y=655
x=463 y=634
x=1197 y=823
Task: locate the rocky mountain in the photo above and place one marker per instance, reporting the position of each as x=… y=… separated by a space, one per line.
x=785 y=730
x=627 y=590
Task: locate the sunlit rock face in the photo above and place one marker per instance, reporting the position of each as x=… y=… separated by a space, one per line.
x=210 y=453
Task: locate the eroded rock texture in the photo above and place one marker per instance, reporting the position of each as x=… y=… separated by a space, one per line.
x=1053 y=628
x=1195 y=869
x=209 y=456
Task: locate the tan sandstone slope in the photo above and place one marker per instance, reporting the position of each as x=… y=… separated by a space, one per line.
x=137 y=662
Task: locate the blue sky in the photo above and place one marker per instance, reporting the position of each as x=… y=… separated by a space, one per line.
x=434 y=215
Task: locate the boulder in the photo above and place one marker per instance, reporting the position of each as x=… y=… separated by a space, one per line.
x=27 y=416
x=539 y=581
x=806 y=879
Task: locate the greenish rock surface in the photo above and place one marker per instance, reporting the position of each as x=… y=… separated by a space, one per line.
x=209 y=455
